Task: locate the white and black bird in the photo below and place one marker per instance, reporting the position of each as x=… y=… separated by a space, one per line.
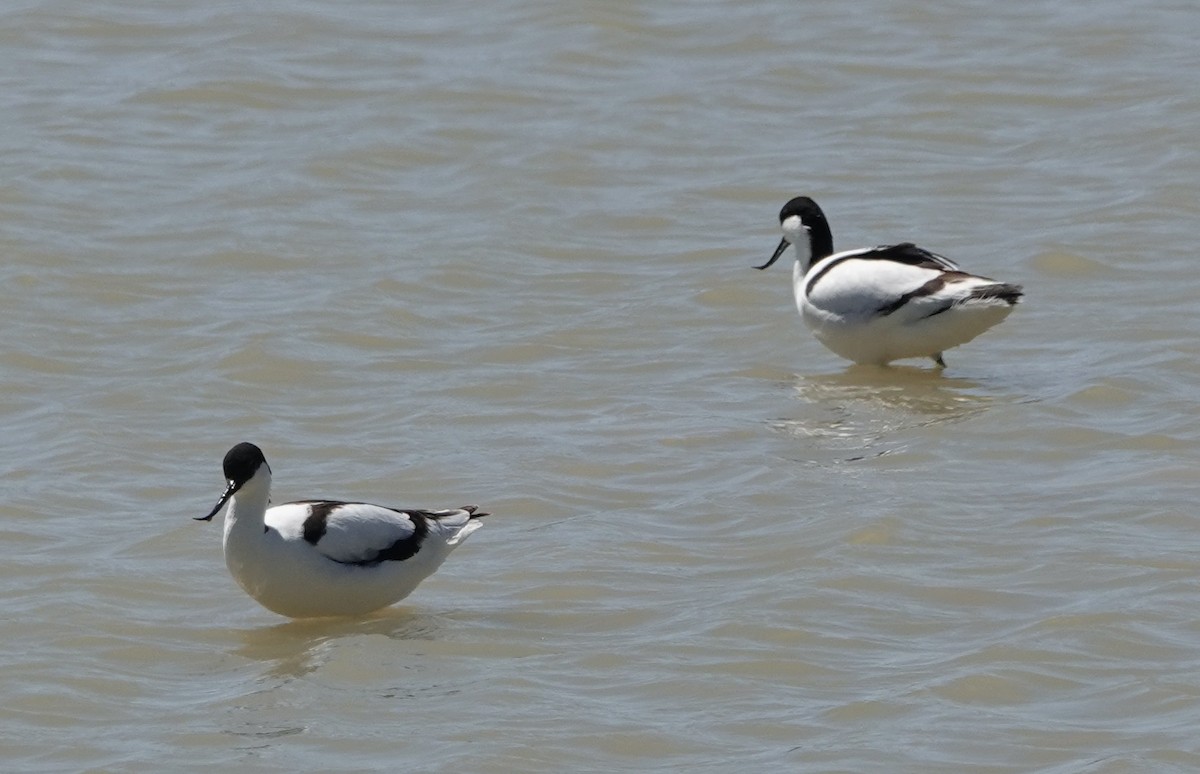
x=878 y=304
x=327 y=558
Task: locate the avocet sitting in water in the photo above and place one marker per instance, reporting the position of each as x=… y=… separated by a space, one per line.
x=325 y=558
x=878 y=304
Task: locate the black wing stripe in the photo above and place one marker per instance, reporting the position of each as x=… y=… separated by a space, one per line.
x=317 y=523
x=928 y=289
x=404 y=548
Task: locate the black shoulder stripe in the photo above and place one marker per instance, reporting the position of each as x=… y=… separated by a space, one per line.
x=318 y=518
x=906 y=253
x=812 y=282
x=910 y=254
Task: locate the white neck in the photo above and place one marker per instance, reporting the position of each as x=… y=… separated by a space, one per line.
x=802 y=247
x=248 y=506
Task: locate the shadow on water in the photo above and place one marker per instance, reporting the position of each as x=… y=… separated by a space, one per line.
x=859 y=408
x=296 y=646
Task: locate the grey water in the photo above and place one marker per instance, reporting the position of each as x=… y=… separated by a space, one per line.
x=432 y=254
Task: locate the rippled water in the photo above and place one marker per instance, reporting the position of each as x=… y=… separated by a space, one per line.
x=447 y=253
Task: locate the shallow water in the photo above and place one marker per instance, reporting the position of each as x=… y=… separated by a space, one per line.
x=501 y=254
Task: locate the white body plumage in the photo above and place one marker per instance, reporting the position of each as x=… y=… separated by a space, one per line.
x=328 y=558
x=879 y=304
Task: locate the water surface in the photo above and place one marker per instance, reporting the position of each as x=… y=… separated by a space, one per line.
x=452 y=253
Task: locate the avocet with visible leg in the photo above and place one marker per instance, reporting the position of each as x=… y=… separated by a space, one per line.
x=878 y=304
